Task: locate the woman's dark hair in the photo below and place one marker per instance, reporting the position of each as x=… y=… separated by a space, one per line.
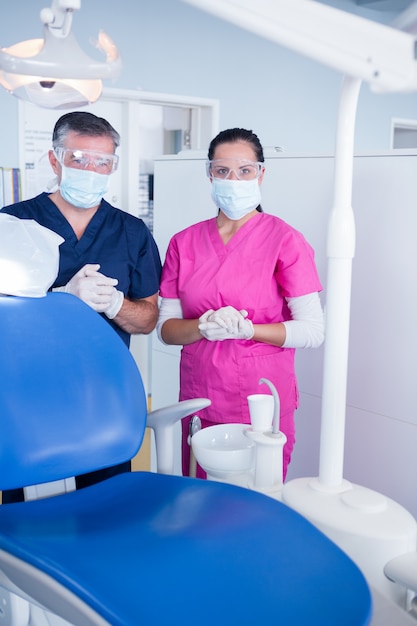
x=232 y=135
x=83 y=123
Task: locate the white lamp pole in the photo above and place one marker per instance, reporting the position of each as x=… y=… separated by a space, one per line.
x=340 y=252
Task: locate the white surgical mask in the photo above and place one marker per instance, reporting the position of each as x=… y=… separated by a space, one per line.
x=236 y=198
x=83 y=188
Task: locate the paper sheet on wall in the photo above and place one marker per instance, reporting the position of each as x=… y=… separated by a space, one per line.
x=35 y=139
x=37 y=173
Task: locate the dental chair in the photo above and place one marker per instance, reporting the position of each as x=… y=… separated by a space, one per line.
x=139 y=548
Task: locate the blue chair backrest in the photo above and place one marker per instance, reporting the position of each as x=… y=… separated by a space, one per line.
x=71 y=396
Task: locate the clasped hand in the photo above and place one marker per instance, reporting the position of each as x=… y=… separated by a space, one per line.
x=225 y=323
x=96 y=290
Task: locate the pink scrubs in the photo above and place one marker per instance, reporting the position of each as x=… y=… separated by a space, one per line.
x=265 y=261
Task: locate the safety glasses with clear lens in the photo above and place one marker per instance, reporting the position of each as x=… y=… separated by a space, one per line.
x=241 y=168
x=102 y=162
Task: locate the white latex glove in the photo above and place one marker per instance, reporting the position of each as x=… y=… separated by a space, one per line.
x=96 y=290
x=210 y=330
x=245 y=331
x=213 y=331
x=228 y=317
x=115 y=304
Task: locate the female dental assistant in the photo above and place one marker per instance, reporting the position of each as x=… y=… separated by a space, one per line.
x=239 y=293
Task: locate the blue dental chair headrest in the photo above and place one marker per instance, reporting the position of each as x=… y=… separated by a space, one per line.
x=62 y=365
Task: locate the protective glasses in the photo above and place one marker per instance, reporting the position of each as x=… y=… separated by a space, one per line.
x=102 y=163
x=242 y=169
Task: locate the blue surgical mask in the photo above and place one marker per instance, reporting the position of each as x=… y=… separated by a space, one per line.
x=83 y=189
x=236 y=198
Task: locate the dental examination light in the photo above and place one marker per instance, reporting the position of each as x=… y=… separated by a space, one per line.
x=373 y=529
x=54 y=72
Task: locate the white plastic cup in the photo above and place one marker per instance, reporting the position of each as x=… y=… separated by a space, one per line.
x=261 y=410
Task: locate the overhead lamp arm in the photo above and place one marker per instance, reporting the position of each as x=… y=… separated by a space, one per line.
x=58 y=18
x=381 y=55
